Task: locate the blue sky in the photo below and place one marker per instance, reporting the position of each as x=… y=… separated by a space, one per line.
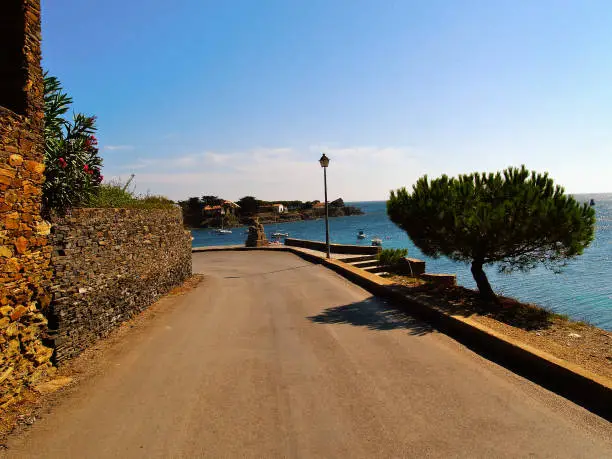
x=239 y=97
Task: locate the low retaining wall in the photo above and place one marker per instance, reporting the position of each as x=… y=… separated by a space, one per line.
x=447 y=280
x=334 y=248
x=110 y=264
x=409 y=267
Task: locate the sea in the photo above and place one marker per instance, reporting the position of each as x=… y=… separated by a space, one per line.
x=583 y=290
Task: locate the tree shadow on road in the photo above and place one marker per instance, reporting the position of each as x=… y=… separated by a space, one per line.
x=373 y=313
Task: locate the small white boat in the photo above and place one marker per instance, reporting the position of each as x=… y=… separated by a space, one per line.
x=377 y=242
x=277 y=234
x=361 y=235
x=222 y=230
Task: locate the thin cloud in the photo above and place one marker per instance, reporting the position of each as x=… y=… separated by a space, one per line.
x=141 y=163
x=356 y=173
x=118 y=147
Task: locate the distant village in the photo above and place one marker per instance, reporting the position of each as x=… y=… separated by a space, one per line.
x=213 y=211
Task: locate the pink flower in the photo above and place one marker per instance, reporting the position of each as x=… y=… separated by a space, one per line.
x=62 y=162
x=86 y=168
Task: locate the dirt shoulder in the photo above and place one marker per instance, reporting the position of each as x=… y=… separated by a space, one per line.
x=39 y=400
x=576 y=342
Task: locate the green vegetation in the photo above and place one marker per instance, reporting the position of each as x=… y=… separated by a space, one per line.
x=195 y=214
x=210 y=200
x=118 y=195
x=391 y=257
x=248 y=205
x=515 y=219
x=72 y=163
x=192 y=211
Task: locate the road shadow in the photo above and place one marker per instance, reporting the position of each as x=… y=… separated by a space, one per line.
x=373 y=313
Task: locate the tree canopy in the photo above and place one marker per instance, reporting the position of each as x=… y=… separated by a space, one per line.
x=515 y=219
x=248 y=205
x=211 y=200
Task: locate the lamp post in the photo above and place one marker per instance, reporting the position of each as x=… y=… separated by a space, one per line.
x=324 y=161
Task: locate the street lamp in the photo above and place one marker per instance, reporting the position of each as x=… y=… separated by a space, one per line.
x=324 y=161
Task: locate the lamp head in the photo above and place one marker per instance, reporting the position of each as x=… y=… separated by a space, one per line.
x=324 y=161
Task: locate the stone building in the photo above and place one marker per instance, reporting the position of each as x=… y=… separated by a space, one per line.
x=24 y=254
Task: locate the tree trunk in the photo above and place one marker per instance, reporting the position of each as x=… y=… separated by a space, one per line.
x=486 y=292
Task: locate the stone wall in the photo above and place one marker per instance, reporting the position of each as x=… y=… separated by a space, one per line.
x=108 y=265
x=24 y=255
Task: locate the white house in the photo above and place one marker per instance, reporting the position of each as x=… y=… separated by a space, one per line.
x=279 y=208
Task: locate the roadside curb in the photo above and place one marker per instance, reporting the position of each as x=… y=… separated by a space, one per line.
x=591 y=391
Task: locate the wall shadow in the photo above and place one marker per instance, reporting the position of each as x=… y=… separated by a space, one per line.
x=373 y=313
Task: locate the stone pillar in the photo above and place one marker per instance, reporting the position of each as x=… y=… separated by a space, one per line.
x=257 y=235
x=24 y=254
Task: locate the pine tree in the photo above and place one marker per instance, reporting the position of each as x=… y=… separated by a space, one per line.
x=514 y=219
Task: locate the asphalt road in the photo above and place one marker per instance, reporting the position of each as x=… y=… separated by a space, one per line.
x=274 y=357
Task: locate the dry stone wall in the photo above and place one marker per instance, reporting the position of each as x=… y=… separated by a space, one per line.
x=24 y=254
x=110 y=264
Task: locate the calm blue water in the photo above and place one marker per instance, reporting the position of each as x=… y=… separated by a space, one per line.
x=583 y=290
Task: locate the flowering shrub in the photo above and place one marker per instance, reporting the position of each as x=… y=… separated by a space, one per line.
x=73 y=166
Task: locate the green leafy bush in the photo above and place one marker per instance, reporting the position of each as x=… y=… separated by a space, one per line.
x=392 y=257
x=119 y=195
x=112 y=195
x=72 y=162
